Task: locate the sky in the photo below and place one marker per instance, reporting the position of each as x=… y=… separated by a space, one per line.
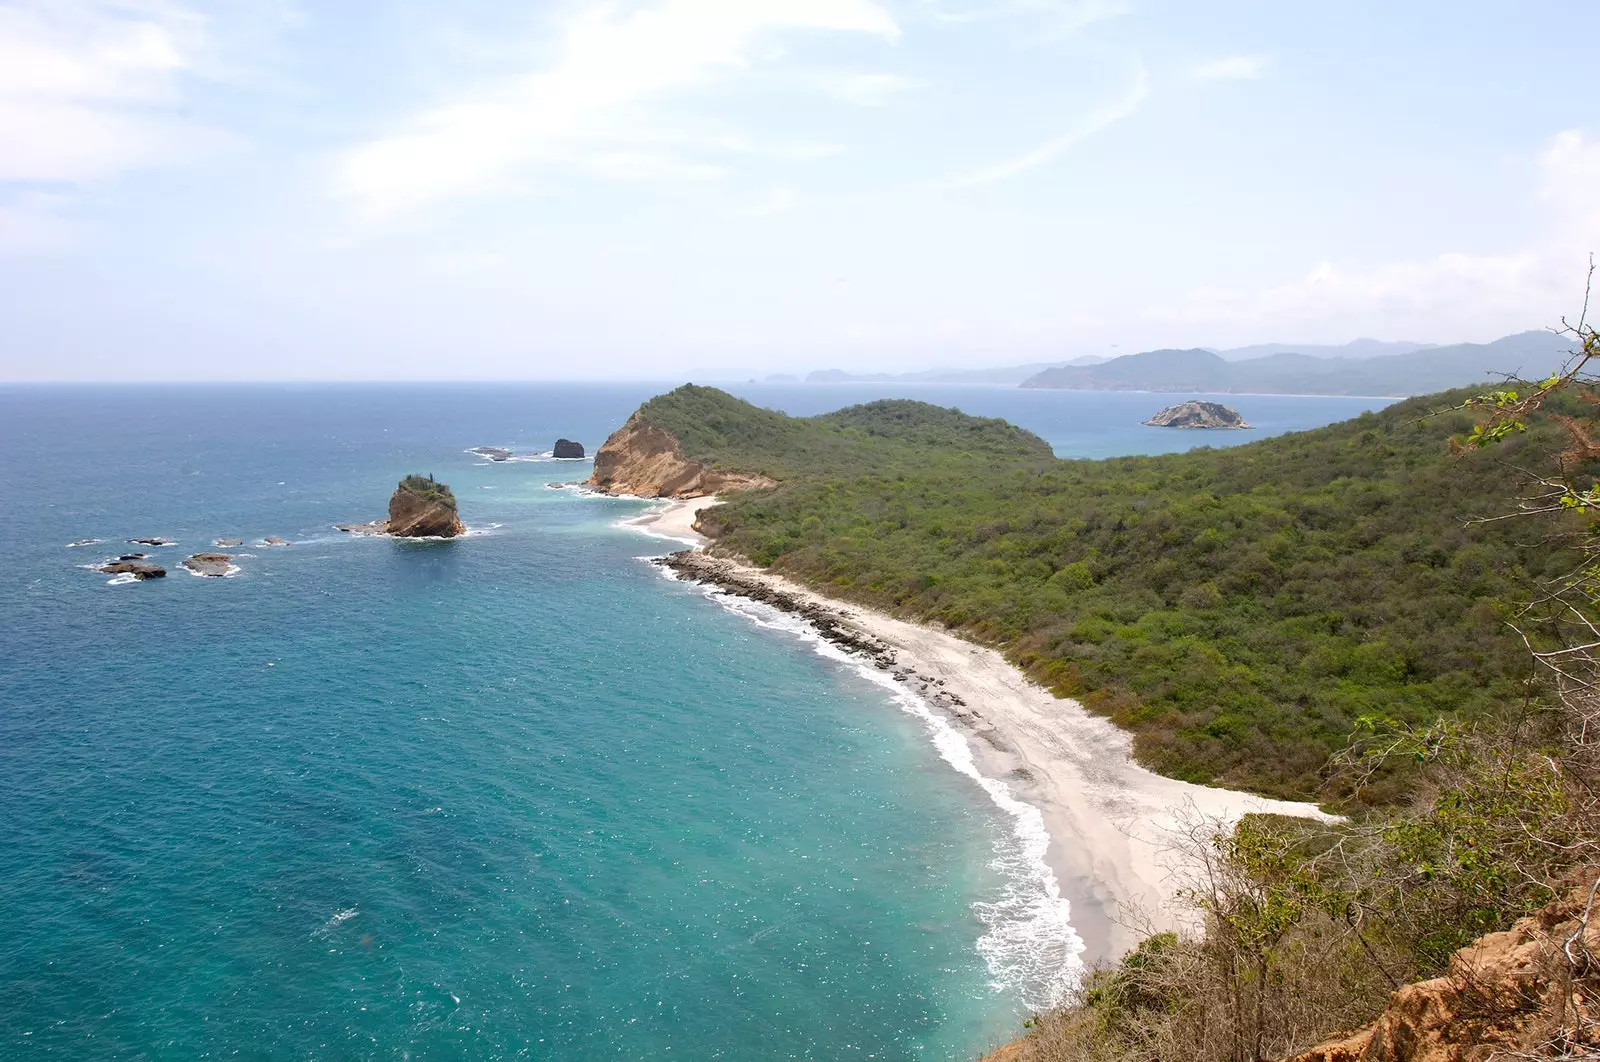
x=492 y=189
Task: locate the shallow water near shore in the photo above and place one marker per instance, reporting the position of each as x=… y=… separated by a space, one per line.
x=508 y=796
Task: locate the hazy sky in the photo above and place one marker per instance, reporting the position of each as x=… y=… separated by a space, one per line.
x=491 y=189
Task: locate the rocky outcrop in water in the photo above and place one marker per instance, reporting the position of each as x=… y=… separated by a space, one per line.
x=640 y=458
x=224 y=543
x=420 y=507
x=153 y=541
x=493 y=453
x=274 y=540
x=423 y=508
x=214 y=565
x=1198 y=415
x=136 y=568
x=567 y=448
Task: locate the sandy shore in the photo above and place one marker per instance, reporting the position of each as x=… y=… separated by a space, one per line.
x=673 y=520
x=1112 y=823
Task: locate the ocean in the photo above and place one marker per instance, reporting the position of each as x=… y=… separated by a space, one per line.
x=517 y=795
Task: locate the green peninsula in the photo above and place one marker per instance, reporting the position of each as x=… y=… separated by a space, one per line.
x=1241 y=611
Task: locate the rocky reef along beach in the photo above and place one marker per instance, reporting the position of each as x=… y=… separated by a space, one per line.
x=1113 y=824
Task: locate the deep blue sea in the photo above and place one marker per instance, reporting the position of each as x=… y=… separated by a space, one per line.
x=512 y=796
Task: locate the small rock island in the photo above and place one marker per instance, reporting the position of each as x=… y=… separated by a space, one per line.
x=210 y=565
x=420 y=507
x=567 y=448
x=1198 y=415
x=493 y=453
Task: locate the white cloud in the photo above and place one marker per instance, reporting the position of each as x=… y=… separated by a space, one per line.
x=31 y=224
x=870 y=90
x=88 y=87
x=586 y=110
x=774 y=201
x=1086 y=126
x=1481 y=295
x=1231 y=68
x=1060 y=17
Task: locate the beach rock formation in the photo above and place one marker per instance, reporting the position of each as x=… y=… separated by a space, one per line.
x=567 y=448
x=136 y=568
x=215 y=565
x=1506 y=995
x=153 y=541
x=642 y=459
x=493 y=453
x=1198 y=415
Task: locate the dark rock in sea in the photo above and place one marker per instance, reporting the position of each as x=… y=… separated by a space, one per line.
x=137 y=569
x=493 y=453
x=274 y=540
x=1198 y=415
x=567 y=448
x=131 y=557
x=376 y=527
x=154 y=541
x=225 y=542
x=215 y=565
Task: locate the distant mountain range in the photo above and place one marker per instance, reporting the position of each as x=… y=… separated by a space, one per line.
x=1420 y=370
x=1008 y=375
x=1360 y=348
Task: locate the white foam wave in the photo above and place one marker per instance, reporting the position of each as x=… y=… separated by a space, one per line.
x=338 y=919
x=122 y=579
x=1029 y=943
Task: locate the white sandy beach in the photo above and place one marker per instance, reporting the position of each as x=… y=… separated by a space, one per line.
x=1112 y=823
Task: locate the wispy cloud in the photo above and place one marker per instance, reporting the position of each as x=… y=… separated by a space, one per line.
x=1059 y=17
x=89 y=88
x=1230 y=68
x=589 y=110
x=1477 y=294
x=773 y=201
x=870 y=90
x=1089 y=124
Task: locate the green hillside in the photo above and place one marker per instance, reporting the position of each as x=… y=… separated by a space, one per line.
x=1238 y=610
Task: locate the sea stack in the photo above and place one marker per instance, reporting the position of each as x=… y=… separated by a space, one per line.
x=422 y=507
x=568 y=448
x=1198 y=415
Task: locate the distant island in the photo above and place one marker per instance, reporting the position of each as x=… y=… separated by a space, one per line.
x=1198 y=415
x=1529 y=354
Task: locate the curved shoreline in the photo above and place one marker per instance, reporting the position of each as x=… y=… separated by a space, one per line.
x=1113 y=824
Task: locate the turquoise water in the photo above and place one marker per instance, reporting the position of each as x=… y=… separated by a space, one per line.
x=516 y=795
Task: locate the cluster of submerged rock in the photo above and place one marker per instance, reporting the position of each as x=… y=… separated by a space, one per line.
x=832 y=624
x=140 y=566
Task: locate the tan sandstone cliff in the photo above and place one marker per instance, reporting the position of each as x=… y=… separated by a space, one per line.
x=1529 y=992
x=642 y=459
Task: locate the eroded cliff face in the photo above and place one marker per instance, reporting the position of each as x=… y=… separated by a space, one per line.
x=413 y=515
x=640 y=458
x=1528 y=992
